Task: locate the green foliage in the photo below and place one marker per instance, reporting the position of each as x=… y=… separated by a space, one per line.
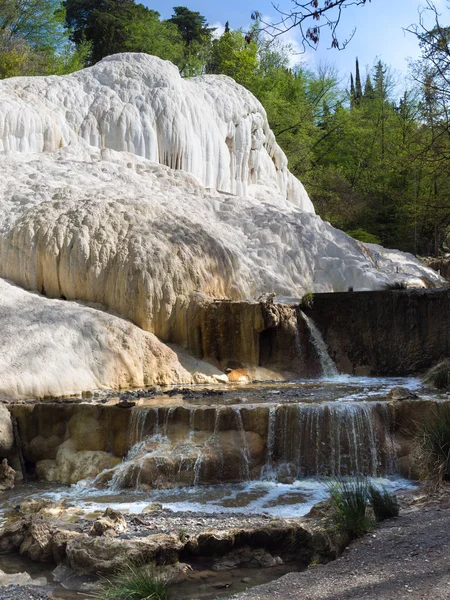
x=134 y=583
x=364 y=236
x=33 y=40
x=350 y=497
x=113 y=26
x=234 y=56
x=307 y=300
x=433 y=441
x=385 y=505
x=439 y=376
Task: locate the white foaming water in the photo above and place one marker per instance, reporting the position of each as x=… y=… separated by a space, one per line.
x=251 y=498
x=328 y=367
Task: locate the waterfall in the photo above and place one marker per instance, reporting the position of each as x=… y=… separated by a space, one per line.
x=327 y=366
x=245 y=461
x=331 y=439
x=183 y=445
x=267 y=471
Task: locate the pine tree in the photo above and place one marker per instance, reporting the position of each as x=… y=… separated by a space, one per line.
x=369 y=92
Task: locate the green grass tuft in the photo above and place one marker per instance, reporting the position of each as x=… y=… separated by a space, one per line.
x=385 y=505
x=434 y=447
x=134 y=583
x=350 y=499
x=439 y=375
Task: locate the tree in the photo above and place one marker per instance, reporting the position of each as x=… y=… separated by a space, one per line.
x=196 y=35
x=324 y=14
x=233 y=55
x=113 y=26
x=33 y=40
x=191 y=25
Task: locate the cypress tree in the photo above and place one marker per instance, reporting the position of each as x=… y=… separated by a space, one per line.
x=358 y=86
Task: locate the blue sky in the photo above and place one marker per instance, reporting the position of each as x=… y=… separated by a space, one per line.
x=379 y=29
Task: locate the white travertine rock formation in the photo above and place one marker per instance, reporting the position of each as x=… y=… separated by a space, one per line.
x=208 y=126
x=125 y=185
x=54 y=348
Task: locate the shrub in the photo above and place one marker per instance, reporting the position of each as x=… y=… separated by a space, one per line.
x=385 y=505
x=350 y=499
x=134 y=583
x=439 y=375
x=434 y=447
x=307 y=300
x=396 y=285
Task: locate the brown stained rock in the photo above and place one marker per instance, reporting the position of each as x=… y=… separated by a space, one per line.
x=110 y=524
x=34 y=505
x=12 y=536
x=72 y=465
x=247 y=557
x=400 y=393
x=59 y=544
x=37 y=542
x=7 y=476
x=108 y=555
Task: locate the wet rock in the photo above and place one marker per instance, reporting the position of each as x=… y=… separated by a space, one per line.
x=110 y=524
x=246 y=557
x=34 y=505
x=72 y=466
x=7 y=476
x=152 y=507
x=12 y=536
x=108 y=555
x=400 y=393
x=37 y=543
x=71 y=580
x=175 y=573
x=6 y=432
x=20 y=579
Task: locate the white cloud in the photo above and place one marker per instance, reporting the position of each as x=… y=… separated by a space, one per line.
x=220 y=29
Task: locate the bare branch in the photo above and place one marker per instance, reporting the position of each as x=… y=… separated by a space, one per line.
x=312 y=18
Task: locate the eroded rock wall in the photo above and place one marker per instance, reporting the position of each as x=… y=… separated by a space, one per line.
x=391 y=333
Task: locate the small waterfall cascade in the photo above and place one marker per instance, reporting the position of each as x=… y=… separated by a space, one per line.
x=331 y=439
x=192 y=445
x=327 y=365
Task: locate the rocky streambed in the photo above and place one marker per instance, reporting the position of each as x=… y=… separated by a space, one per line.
x=221 y=489
x=198 y=554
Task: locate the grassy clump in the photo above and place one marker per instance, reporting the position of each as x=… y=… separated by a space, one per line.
x=439 y=376
x=350 y=497
x=307 y=300
x=134 y=583
x=385 y=505
x=434 y=447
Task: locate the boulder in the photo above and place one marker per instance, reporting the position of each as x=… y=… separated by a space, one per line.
x=37 y=542
x=7 y=579
x=400 y=393
x=6 y=432
x=72 y=466
x=110 y=524
x=106 y=555
x=247 y=557
x=7 y=476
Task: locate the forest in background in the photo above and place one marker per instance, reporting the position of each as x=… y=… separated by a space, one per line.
x=374 y=157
